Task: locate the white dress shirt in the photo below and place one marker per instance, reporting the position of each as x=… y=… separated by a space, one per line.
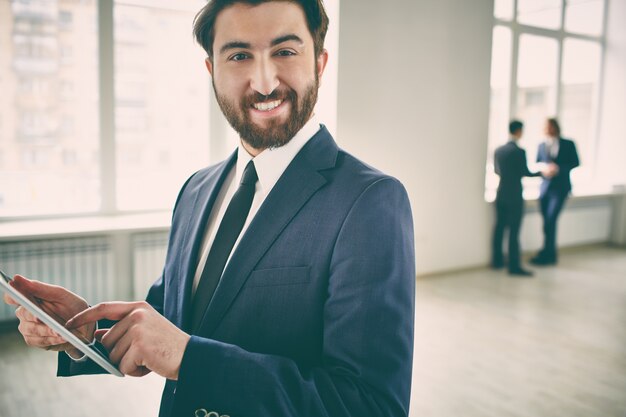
x=552 y=144
x=270 y=165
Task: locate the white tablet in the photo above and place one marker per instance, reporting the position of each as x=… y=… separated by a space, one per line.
x=58 y=325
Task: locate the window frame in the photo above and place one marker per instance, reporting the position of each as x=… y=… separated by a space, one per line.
x=560 y=35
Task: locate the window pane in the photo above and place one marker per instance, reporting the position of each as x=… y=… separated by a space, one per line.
x=541 y=13
x=584 y=16
x=581 y=71
x=500 y=99
x=162 y=91
x=49 y=126
x=536 y=85
x=503 y=9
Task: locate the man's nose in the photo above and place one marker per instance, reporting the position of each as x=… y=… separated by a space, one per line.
x=264 y=79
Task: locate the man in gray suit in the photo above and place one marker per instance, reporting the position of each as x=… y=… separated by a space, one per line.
x=510 y=164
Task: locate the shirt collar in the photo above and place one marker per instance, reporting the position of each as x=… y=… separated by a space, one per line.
x=552 y=140
x=271 y=163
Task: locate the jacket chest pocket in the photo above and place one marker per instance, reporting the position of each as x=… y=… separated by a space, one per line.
x=278 y=311
x=279 y=276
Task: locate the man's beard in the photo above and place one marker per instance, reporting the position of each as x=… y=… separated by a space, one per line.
x=275 y=134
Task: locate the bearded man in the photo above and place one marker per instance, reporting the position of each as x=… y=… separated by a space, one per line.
x=288 y=287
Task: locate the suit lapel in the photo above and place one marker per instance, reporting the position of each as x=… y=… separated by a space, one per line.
x=295 y=187
x=205 y=196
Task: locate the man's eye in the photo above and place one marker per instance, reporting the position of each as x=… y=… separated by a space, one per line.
x=285 y=52
x=239 y=57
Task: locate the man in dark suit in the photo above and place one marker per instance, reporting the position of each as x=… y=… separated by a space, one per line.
x=510 y=164
x=560 y=156
x=288 y=288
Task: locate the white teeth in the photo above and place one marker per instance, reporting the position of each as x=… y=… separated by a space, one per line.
x=267 y=106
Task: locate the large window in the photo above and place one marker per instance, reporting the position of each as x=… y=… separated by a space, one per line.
x=61 y=150
x=87 y=130
x=162 y=93
x=546 y=62
x=49 y=137
x=105 y=105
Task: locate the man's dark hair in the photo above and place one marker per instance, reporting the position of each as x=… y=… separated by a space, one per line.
x=204 y=22
x=515 y=125
x=555 y=125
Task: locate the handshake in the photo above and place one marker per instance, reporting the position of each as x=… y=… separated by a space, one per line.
x=550 y=170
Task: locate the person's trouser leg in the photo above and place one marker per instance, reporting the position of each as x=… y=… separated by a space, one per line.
x=544 y=201
x=515 y=221
x=554 y=205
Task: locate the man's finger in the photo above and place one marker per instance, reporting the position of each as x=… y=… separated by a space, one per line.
x=115 y=333
x=120 y=349
x=131 y=364
x=110 y=311
x=28 y=328
x=9 y=300
x=37 y=289
x=25 y=315
x=98 y=334
x=47 y=342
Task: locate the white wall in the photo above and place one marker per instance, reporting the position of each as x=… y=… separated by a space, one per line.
x=613 y=131
x=584 y=221
x=611 y=166
x=414 y=100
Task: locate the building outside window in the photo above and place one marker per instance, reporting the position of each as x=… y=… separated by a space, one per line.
x=87 y=130
x=50 y=100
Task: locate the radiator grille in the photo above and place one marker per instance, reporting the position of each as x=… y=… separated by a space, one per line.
x=149 y=250
x=83 y=265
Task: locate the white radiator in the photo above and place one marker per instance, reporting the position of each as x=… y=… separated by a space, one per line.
x=149 y=250
x=83 y=265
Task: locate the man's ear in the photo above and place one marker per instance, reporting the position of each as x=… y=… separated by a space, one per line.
x=209 y=65
x=320 y=63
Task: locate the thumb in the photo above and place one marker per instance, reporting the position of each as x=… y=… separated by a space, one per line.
x=37 y=289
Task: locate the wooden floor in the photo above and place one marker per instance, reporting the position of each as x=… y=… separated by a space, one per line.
x=486 y=345
x=551 y=346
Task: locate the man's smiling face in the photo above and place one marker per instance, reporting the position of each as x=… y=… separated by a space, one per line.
x=265 y=73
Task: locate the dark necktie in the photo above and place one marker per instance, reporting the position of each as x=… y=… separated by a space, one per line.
x=227 y=234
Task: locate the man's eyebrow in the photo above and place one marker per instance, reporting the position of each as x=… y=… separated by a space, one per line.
x=234 y=45
x=246 y=45
x=286 y=38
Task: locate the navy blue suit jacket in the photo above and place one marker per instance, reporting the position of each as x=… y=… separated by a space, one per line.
x=566 y=159
x=314 y=313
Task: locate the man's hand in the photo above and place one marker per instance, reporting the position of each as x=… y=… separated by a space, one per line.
x=142 y=341
x=56 y=301
x=550 y=170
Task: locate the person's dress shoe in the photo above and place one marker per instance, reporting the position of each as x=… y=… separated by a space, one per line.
x=497 y=265
x=521 y=273
x=542 y=261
